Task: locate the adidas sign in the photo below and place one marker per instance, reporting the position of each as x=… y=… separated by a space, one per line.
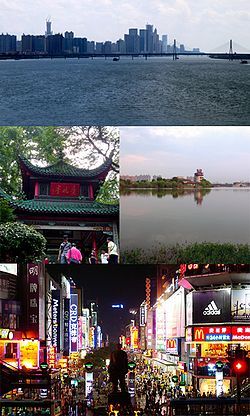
x=211 y=309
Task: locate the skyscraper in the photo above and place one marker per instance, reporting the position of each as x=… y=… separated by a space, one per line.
x=149 y=38
x=143 y=40
x=164 y=43
x=48 y=31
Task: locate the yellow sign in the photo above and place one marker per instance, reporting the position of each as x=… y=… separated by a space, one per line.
x=29 y=353
x=213 y=350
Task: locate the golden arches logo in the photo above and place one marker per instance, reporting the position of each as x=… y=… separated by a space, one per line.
x=171 y=343
x=199 y=334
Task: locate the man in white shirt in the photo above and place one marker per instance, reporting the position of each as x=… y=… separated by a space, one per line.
x=112 y=251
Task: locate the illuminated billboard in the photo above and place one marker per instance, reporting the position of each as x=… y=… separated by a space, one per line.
x=29 y=353
x=73 y=322
x=240 y=306
x=212 y=306
x=175 y=315
x=56 y=319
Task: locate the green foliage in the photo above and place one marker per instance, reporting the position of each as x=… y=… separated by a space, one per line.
x=205 y=252
x=82 y=146
x=206 y=184
x=109 y=192
x=6 y=212
x=213 y=253
x=36 y=143
x=20 y=243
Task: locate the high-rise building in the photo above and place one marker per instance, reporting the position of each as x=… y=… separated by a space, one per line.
x=90 y=47
x=68 y=42
x=143 y=40
x=121 y=47
x=164 y=44
x=54 y=44
x=132 y=41
x=156 y=42
x=80 y=45
x=149 y=38
x=107 y=47
x=99 y=47
x=48 y=31
x=7 y=43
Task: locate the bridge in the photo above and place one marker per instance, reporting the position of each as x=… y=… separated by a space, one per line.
x=231 y=55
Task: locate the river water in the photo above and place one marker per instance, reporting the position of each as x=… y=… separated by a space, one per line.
x=217 y=215
x=157 y=91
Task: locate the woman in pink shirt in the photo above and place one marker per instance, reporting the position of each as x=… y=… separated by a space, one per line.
x=74 y=255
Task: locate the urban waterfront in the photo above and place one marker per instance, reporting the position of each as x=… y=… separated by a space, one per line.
x=157 y=91
x=172 y=341
x=219 y=215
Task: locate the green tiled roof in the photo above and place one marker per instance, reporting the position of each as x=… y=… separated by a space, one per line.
x=63 y=169
x=61 y=207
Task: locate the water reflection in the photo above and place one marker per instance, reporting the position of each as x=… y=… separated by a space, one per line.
x=198 y=194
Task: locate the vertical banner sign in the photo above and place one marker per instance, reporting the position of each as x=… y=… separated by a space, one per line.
x=143 y=315
x=51 y=357
x=89 y=379
x=33 y=271
x=56 y=319
x=66 y=315
x=219 y=383
x=73 y=322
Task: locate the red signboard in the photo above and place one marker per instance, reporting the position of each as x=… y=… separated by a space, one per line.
x=221 y=333
x=212 y=333
x=172 y=346
x=33 y=273
x=64 y=189
x=241 y=333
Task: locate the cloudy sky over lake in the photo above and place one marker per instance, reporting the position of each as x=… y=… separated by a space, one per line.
x=222 y=152
x=205 y=23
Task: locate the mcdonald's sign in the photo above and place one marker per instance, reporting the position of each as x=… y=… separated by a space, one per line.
x=172 y=346
x=212 y=333
x=199 y=334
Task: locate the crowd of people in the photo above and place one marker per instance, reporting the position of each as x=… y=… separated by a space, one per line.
x=70 y=254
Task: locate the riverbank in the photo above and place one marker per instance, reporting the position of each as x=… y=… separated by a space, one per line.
x=203 y=253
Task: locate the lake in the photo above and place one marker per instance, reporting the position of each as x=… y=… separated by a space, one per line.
x=157 y=91
x=216 y=215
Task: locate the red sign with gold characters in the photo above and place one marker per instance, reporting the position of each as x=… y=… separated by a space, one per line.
x=241 y=333
x=64 y=189
x=33 y=275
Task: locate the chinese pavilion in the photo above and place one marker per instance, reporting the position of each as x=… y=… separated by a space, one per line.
x=61 y=199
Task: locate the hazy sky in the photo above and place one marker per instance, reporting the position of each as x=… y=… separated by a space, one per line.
x=203 y=23
x=222 y=152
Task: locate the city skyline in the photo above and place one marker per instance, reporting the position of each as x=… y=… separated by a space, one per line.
x=109 y=20
x=222 y=152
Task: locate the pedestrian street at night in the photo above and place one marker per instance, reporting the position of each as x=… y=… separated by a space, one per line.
x=153 y=341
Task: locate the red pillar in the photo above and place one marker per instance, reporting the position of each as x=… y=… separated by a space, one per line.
x=94 y=246
x=36 y=189
x=91 y=192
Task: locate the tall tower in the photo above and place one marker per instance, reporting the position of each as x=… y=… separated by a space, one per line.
x=231 y=53
x=48 y=31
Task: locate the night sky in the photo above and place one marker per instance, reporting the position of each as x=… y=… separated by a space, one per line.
x=109 y=284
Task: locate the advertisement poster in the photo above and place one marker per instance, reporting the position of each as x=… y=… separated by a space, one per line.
x=56 y=319
x=73 y=322
x=211 y=306
x=240 y=305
